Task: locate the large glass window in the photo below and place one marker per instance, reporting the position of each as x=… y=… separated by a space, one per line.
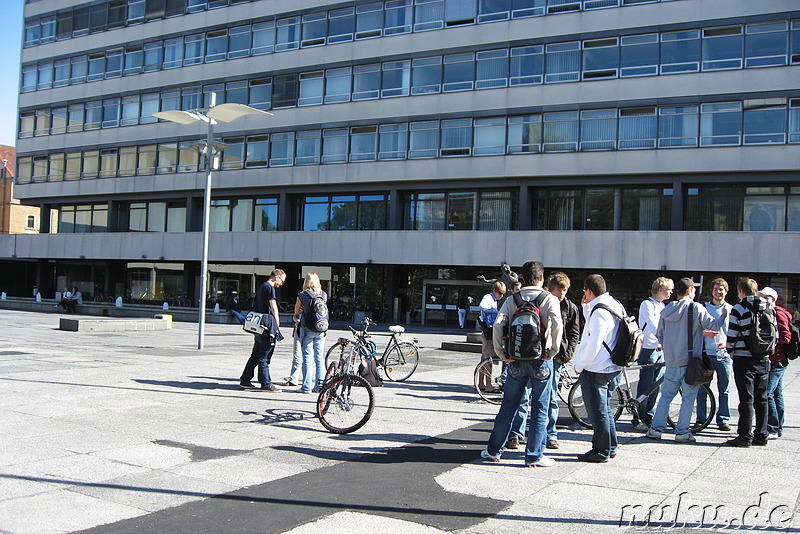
x=426 y=211
x=764 y=121
x=396 y=78
x=263 y=38
x=216 y=45
x=639 y=55
x=233 y=156
x=600 y=58
x=490 y=136
x=717 y=209
x=680 y=51
x=491 y=68
x=563 y=62
x=459 y=72
x=524 y=134
x=369 y=20
x=393 y=141
x=527 y=65
x=363 y=143
x=287 y=34
x=598 y=129
x=109 y=160
x=428 y=15
x=677 y=126
x=722 y=48
x=646 y=209
x=366 y=81
x=239 y=42
x=456 y=137
x=167 y=158
x=315 y=26
x=334 y=145
x=766 y=44
x=337 y=85
x=285 y=89
x=261 y=93
x=398 y=17
x=424 y=142
x=637 y=127
x=311 y=88
x=721 y=124
x=267 y=214
x=341 y=24
x=426 y=75
x=281 y=149
x=127 y=161
x=257 y=152
x=495 y=211
x=561 y=131
x=309 y=147
x=764 y=209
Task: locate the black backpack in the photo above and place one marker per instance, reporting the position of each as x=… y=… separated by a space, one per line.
x=525 y=339
x=763 y=336
x=317 y=317
x=630 y=339
x=369 y=371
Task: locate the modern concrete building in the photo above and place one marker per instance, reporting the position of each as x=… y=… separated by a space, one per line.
x=415 y=144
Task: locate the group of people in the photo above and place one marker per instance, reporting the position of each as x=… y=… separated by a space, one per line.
x=70 y=300
x=308 y=358
x=673 y=330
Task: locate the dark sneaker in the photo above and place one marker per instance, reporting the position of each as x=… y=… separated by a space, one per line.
x=271 y=387
x=512 y=443
x=246 y=385
x=738 y=442
x=552 y=444
x=592 y=457
x=760 y=442
x=725 y=427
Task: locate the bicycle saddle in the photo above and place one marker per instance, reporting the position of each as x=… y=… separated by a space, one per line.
x=397 y=329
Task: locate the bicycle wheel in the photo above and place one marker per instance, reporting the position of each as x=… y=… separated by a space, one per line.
x=401 y=361
x=577 y=405
x=489 y=379
x=334 y=354
x=709 y=407
x=345 y=404
x=330 y=371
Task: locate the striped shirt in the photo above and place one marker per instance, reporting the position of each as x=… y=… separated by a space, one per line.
x=739 y=325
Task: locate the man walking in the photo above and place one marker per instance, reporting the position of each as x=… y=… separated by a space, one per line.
x=534 y=374
x=778 y=363
x=264 y=345
x=649 y=313
x=717 y=348
x=750 y=371
x=680 y=330
x=558 y=284
x=598 y=375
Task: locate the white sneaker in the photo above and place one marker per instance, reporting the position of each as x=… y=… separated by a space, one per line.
x=653 y=434
x=543 y=461
x=641 y=427
x=486 y=456
x=686 y=438
x=773 y=436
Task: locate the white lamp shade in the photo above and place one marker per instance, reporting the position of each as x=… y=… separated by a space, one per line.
x=231 y=112
x=181 y=117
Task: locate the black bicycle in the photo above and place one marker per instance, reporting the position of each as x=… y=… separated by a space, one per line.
x=622 y=400
x=345 y=400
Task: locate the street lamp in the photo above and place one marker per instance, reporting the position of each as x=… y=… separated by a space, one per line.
x=210 y=149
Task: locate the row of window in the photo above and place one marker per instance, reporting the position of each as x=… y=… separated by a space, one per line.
x=749 y=122
x=761 y=44
x=360 y=21
x=708 y=208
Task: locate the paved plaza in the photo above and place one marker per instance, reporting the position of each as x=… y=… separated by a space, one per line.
x=123 y=432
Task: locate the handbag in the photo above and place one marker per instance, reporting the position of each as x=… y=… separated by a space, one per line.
x=699 y=369
x=252 y=323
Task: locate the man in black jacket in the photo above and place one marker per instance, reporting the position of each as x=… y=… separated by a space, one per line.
x=558 y=284
x=264 y=345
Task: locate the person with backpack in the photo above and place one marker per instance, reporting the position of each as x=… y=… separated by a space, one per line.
x=264 y=345
x=752 y=335
x=311 y=318
x=526 y=335
x=598 y=375
x=681 y=330
x=778 y=362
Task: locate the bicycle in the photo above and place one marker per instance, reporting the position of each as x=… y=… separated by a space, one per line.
x=345 y=400
x=622 y=400
x=399 y=359
x=493 y=370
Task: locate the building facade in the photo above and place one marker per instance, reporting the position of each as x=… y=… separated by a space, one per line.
x=415 y=144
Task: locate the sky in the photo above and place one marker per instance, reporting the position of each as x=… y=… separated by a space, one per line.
x=10 y=46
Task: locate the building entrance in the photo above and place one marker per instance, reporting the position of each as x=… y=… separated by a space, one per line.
x=441 y=299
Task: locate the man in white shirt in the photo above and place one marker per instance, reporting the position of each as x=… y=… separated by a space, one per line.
x=599 y=376
x=649 y=312
x=720 y=359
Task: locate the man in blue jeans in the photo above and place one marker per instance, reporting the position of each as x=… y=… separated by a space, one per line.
x=721 y=360
x=598 y=375
x=534 y=374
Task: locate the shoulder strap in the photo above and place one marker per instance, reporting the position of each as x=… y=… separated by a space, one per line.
x=608 y=309
x=690 y=324
x=518 y=300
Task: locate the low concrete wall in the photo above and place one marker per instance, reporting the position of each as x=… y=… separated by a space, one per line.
x=113 y=325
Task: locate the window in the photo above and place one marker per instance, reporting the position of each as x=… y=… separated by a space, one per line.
x=191 y=98
x=193 y=49
x=285 y=89
x=495 y=211
x=341 y=25
x=61 y=74
x=91 y=164
x=58 y=121
x=363 y=143
x=266 y=214
x=527 y=65
x=722 y=48
x=127 y=161
x=426 y=211
x=311 y=84
x=337 y=85
x=369 y=20
x=109 y=160
x=30 y=222
x=637 y=128
x=187 y=157
x=314 y=29
x=493 y=10
x=334 y=145
x=491 y=69
x=72 y=168
x=261 y=93
x=456 y=137
x=428 y=15
x=150 y=105
x=366 y=81
x=29 y=75
x=309 y=147
x=55 y=172
x=561 y=131
x=316 y=213
x=26 y=124
x=137 y=217
x=398 y=16
x=173 y=53
x=176 y=217
x=257 y=151
x=459 y=72
x=721 y=124
x=426 y=75
x=424 y=139
x=598 y=129
x=263 y=38
x=646 y=209
x=43 y=121
x=281 y=149
x=766 y=44
x=75 y=118
x=79 y=69
x=794 y=121
x=563 y=62
x=639 y=55
x=147 y=160
x=764 y=209
x=524 y=134
x=153 y=56
x=216 y=45
x=717 y=209
x=680 y=52
x=129 y=110
x=600 y=59
x=764 y=121
x=45 y=78
x=461 y=210
x=239 y=42
x=111 y=113
x=396 y=78
x=393 y=141
x=114 y=60
x=156 y=216
x=233 y=156
x=677 y=126
x=288 y=34
x=24 y=170
x=490 y=136
x=167 y=158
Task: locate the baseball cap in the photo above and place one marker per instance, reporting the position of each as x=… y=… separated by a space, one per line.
x=685 y=283
x=769 y=292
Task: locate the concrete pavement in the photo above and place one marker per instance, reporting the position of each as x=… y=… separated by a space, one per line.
x=139 y=431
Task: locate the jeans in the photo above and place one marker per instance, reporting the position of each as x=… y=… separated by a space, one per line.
x=552 y=416
x=597 y=389
x=521 y=417
x=648 y=377
x=313 y=345
x=260 y=356
x=297 y=361
x=522 y=375
x=462 y=318
x=775 y=397
x=752 y=380
x=673 y=383
x=724 y=370
x=239 y=316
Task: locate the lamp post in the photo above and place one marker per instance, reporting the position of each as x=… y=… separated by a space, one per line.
x=221 y=113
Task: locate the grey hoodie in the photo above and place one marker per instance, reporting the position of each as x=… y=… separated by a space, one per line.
x=673 y=330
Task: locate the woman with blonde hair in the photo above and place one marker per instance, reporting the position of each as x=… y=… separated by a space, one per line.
x=312 y=341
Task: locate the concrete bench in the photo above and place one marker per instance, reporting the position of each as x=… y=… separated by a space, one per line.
x=113 y=325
